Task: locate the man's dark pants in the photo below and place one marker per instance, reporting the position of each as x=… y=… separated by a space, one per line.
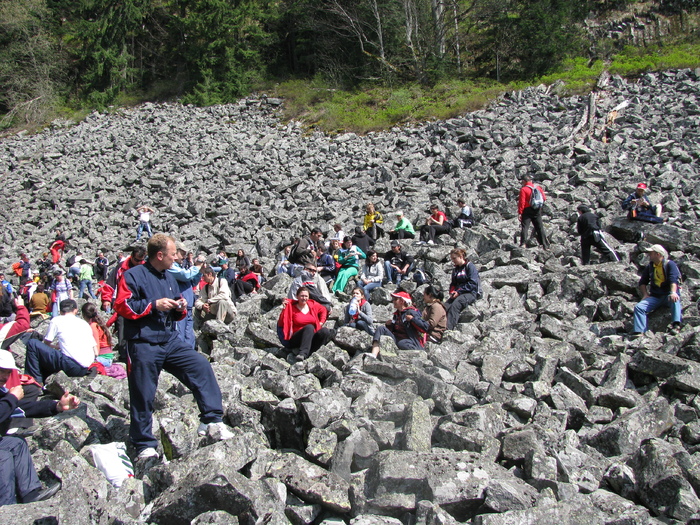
x=535 y=217
x=17 y=474
x=42 y=361
x=187 y=365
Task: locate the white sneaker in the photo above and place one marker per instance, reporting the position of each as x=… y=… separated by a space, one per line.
x=224 y=433
x=148 y=452
x=431 y=242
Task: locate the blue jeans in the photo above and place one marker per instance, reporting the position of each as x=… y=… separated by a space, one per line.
x=651 y=303
x=86 y=283
x=362 y=325
x=394 y=276
x=143 y=226
x=367 y=288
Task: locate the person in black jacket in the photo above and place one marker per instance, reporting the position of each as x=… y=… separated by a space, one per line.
x=588 y=228
x=18 y=479
x=406 y=327
x=465 y=286
x=397 y=263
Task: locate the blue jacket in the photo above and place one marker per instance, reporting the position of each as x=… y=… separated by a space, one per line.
x=416 y=329
x=186 y=279
x=137 y=294
x=672 y=274
x=465 y=279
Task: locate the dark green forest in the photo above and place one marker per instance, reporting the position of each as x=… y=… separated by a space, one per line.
x=93 y=53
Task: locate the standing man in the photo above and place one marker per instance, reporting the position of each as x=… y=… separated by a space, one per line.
x=588 y=228
x=149 y=300
x=68 y=345
x=186 y=279
x=144 y=221
x=527 y=213
x=660 y=286
x=101 y=266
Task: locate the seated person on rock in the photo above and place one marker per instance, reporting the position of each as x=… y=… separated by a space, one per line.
x=436 y=224
x=465 y=216
x=660 y=286
x=74 y=348
x=372 y=274
x=248 y=281
x=397 y=263
x=465 y=286
x=283 y=264
x=19 y=482
x=640 y=208
x=435 y=313
x=360 y=239
x=300 y=325
x=403 y=229
x=358 y=312
x=406 y=327
x=314 y=283
x=11 y=330
x=325 y=264
x=349 y=259
x=214 y=300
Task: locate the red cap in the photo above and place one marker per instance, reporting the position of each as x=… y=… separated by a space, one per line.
x=641 y=186
x=403 y=295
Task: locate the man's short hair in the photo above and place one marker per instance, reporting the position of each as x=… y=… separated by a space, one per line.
x=67 y=306
x=138 y=251
x=583 y=208
x=158 y=243
x=526 y=178
x=208 y=271
x=316 y=231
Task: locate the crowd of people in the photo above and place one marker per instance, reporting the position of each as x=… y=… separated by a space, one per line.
x=154 y=297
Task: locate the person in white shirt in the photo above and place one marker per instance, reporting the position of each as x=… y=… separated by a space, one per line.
x=68 y=345
x=144 y=221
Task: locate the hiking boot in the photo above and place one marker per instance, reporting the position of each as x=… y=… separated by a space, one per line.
x=675 y=328
x=42 y=494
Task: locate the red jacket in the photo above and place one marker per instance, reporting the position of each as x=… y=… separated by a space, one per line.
x=525 y=195
x=285 y=325
x=19 y=325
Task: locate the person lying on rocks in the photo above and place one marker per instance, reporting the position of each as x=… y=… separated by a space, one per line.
x=403 y=229
x=300 y=325
x=465 y=286
x=397 y=263
x=19 y=482
x=372 y=274
x=358 y=312
x=434 y=313
x=149 y=301
x=214 y=300
x=349 y=260
x=588 y=227
x=314 y=283
x=640 y=208
x=325 y=264
x=68 y=346
x=660 y=286
x=406 y=327
x=371 y=221
x=436 y=224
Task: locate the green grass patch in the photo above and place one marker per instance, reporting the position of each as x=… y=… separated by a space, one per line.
x=633 y=61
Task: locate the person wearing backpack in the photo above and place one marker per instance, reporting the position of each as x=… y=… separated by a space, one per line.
x=530 y=203
x=660 y=285
x=588 y=227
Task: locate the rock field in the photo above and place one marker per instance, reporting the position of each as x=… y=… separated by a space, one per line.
x=537 y=409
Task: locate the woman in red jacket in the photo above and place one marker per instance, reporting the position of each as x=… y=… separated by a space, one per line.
x=300 y=325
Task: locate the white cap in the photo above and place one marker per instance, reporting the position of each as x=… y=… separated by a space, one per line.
x=7 y=361
x=658 y=249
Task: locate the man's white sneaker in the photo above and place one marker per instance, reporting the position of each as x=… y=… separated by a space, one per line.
x=148 y=452
x=224 y=433
x=431 y=242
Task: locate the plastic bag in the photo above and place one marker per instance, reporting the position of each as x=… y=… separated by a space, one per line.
x=112 y=461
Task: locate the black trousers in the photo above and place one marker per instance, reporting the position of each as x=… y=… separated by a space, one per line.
x=401 y=234
x=429 y=233
x=455 y=306
x=309 y=341
x=533 y=217
x=602 y=246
